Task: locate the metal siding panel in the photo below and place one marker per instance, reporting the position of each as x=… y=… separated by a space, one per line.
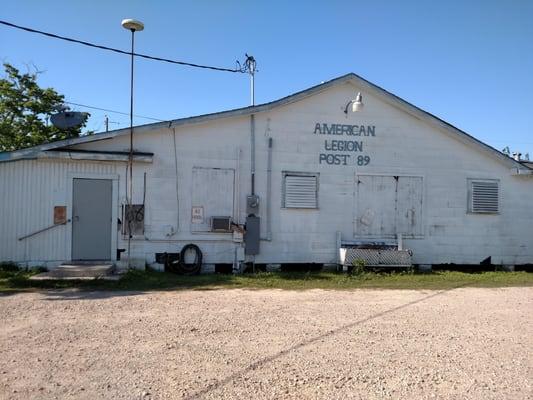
x=31 y=189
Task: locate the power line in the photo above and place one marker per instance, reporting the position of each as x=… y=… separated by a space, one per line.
x=52 y=35
x=114 y=111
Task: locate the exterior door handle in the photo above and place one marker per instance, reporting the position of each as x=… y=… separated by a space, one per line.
x=76 y=218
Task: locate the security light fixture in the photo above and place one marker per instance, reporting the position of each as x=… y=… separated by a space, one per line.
x=357 y=104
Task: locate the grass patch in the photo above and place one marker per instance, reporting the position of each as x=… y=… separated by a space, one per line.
x=151 y=280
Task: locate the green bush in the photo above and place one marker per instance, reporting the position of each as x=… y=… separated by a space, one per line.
x=358 y=267
x=9 y=266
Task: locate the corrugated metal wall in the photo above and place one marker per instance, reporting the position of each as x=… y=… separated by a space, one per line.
x=30 y=190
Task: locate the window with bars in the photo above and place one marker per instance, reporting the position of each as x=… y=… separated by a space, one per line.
x=484 y=196
x=300 y=190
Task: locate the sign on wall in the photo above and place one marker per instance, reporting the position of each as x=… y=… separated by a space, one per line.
x=349 y=148
x=197 y=215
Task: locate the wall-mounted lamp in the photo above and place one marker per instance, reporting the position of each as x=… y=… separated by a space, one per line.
x=357 y=104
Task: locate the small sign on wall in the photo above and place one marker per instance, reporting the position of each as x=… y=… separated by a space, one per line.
x=60 y=215
x=197 y=215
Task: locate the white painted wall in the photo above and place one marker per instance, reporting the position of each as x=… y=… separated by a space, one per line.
x=403 y=145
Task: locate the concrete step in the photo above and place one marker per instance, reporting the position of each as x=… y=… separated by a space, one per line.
x=77 y=271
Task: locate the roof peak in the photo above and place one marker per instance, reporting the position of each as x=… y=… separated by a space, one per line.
x=363 y=83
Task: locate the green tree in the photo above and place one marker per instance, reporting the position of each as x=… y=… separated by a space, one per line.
x=25 y=109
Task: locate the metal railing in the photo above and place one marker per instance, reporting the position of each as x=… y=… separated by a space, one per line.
x=43 y=230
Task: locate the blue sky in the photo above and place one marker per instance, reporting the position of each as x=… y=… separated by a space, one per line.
x=468 y=62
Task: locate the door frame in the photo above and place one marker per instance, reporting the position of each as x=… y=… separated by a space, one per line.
x=114 y=178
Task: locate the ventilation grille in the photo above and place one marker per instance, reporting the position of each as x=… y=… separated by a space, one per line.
x=221 y=224
x=485 y=197
x=301 y=191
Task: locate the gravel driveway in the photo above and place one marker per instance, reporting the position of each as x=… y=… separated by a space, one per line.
x=268 y=344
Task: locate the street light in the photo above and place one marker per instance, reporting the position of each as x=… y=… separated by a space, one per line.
x=133 y=26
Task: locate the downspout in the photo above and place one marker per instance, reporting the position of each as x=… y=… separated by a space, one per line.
x=176 y=172
x=237 y=194
x=269 y=191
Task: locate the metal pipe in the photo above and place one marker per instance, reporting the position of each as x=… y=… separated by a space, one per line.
x=252 y=152
x=42 y=230
x=251 y=64
x=177 y=185
x=252 y=83
x=131 y=118
x=238 y=186
x=130 y=194
x=269 y=191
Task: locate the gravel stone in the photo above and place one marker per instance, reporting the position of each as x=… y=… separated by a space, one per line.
x=264 y=344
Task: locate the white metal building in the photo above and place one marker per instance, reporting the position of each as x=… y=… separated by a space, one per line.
x=308 y=176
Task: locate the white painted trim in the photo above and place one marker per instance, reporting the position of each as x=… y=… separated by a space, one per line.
x=114 y=207
x=78 y=155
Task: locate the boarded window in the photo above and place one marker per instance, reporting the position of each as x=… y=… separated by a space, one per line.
x=212 y=196
x=300 y=190
x=133 y=219
x=484 y=196
x=387 y=206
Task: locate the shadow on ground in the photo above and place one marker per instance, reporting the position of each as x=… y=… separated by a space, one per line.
x=137 y=282
x=76 y=294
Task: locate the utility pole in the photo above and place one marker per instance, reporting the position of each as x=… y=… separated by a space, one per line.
x=251 y=68
x=107 y=122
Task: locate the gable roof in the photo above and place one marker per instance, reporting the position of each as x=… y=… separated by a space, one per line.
x=365 y=85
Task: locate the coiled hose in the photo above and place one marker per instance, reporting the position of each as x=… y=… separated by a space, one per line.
x=180 y=267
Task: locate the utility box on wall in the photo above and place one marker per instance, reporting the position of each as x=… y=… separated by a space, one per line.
x=252 y=204
x=252 y=236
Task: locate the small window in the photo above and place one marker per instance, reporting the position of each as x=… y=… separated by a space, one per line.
x=300 y=190
x=484 y=196
x=133 y=219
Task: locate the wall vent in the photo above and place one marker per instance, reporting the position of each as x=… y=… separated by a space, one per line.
x=300 y=190
x=485 y=196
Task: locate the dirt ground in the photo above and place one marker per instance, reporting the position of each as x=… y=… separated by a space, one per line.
x=268 y=344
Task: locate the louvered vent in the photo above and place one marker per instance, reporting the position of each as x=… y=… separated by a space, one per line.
x=300 y=191
x=485 y=197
